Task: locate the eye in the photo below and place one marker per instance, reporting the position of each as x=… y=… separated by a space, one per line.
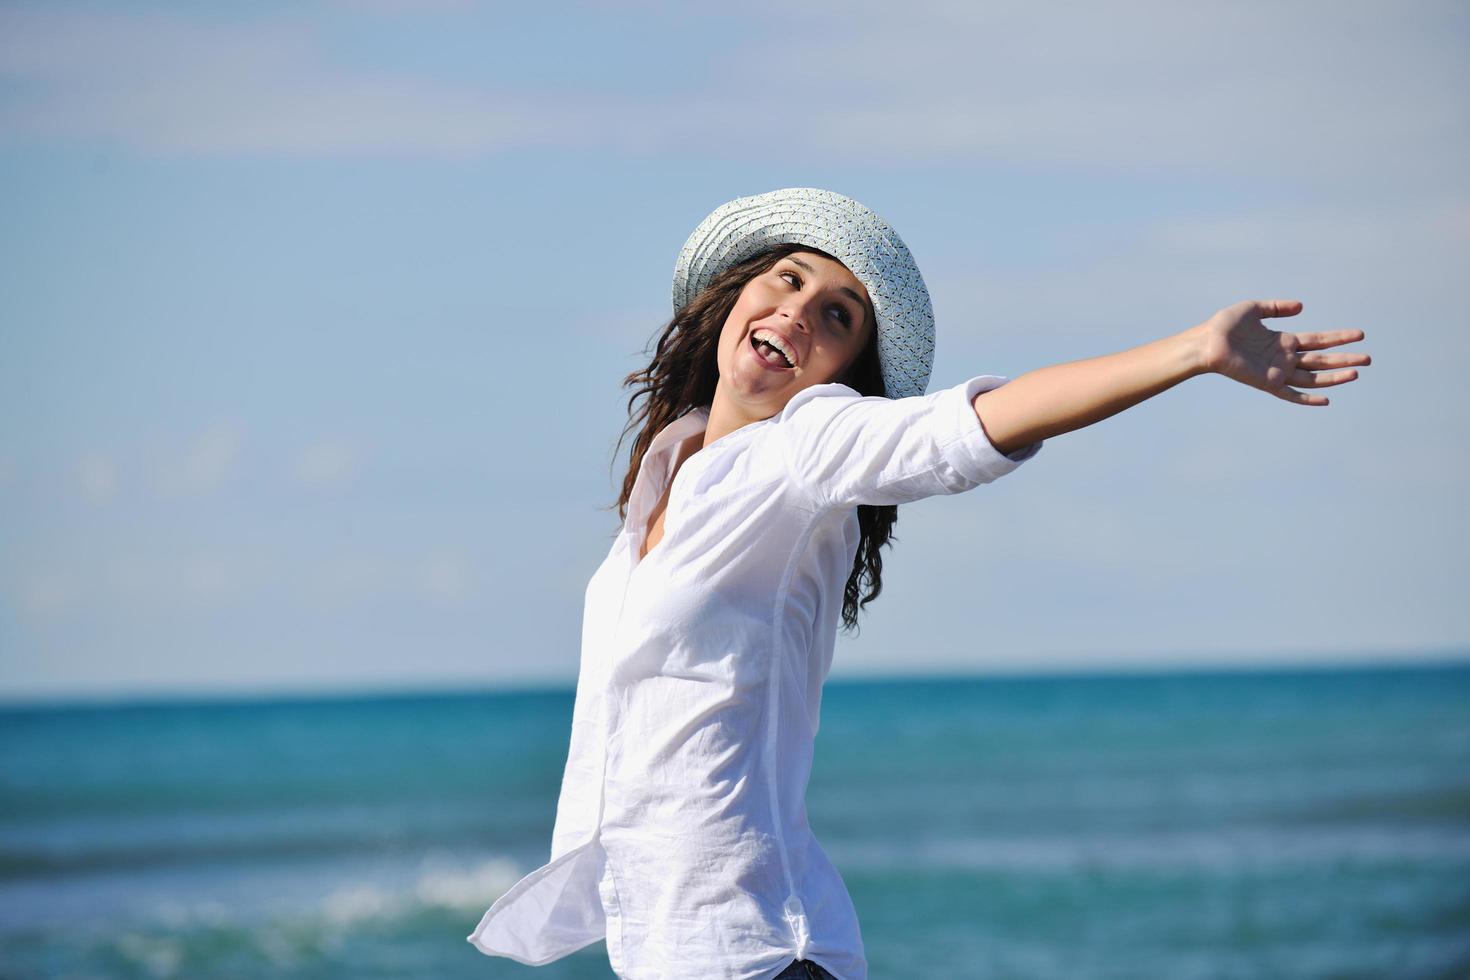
x=842 y=314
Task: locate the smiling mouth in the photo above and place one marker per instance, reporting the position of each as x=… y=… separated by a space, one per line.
x=770 y=354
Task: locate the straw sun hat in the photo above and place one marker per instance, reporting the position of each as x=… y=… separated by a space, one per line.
x=844 y=229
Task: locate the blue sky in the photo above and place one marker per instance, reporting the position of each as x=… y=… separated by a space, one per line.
x=314 y=319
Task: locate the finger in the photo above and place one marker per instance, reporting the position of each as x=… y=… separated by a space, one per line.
x=1321 y=362
x=1306 y=379
x=1330 y=338
x=1300 y=397
x=1278 y=307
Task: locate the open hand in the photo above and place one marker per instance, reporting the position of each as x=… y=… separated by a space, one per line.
x=1238 y=345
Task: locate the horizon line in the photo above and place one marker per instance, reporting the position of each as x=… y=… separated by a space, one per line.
x=1432 y=658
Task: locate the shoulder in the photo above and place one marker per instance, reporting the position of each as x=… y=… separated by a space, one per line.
x=817 y=397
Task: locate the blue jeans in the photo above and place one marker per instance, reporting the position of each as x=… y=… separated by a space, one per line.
x=804 y=970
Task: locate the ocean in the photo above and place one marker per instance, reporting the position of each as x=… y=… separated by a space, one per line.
x=1271 y=824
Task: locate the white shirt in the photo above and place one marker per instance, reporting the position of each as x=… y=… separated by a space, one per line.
x=681 y=829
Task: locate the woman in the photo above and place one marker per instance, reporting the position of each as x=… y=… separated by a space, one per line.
x=782 y=420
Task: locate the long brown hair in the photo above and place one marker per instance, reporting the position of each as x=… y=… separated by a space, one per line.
x=683 y=374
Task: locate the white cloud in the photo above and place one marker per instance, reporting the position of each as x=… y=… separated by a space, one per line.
x=49 y=594
x=439 y=577
x=405 y=7
x=444 y=578
x=327 y=464
x=97 y=477
x=203 y=466
x=347 y=579
x=174 y=583
x=1234 y=88
x=1387 y=269
x=1324 y=229
x=172 y=84
x=150 y=584
x=1144 y=86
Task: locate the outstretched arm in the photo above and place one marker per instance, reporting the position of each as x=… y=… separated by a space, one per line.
x=1234 y=343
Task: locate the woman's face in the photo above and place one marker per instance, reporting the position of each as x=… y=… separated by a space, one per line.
x=811 y=308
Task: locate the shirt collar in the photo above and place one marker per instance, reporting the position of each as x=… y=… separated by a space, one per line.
x=695 y=420
x=692 y=421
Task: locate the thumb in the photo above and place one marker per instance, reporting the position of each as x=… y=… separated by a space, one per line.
x=1278 y=307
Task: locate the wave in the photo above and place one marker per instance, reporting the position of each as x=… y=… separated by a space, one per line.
x=343 y=927
x=1213 y=852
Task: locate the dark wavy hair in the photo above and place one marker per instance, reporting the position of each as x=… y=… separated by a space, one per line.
x=682 y=377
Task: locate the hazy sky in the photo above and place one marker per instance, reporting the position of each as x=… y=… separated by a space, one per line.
x=314 y=320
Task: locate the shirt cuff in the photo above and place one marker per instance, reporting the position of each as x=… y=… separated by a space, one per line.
x=969 y=450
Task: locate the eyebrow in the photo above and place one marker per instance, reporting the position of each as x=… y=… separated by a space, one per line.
x=858 y=299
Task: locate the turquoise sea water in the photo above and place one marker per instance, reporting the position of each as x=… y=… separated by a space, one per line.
x=1250 y=825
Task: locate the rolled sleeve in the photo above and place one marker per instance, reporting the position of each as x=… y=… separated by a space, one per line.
x=971 y=452
x=843 y=448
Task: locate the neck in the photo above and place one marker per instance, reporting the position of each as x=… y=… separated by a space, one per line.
x=725 y=416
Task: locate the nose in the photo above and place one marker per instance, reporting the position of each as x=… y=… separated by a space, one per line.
x=797 y=312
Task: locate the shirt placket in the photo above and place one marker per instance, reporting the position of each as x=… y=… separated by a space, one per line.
x=607 y=881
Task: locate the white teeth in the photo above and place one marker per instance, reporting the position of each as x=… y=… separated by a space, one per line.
x=774 y=339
